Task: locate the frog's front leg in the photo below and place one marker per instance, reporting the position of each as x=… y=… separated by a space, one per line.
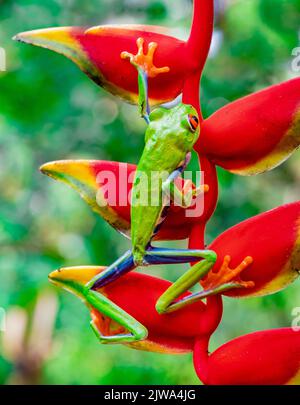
x=146 y=68
x=185 y=197
x=145 y=61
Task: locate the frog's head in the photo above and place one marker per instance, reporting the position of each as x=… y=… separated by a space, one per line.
x=178 y=125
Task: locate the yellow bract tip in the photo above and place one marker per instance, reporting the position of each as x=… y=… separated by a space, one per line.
x=81 y=274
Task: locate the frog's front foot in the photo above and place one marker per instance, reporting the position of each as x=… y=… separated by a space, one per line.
x=227 y=275
x=201 y=190
x=189 y=193
x=145 y=61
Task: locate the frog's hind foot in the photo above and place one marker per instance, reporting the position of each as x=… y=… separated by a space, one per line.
x=227 y=275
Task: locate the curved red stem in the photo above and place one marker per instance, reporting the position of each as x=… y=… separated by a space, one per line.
x=201 y=358
x=199 y=41
x=198 y=46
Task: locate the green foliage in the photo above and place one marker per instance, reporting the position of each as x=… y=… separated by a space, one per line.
x=51 y=111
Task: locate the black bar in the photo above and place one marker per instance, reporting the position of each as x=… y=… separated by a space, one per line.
x=132 y=394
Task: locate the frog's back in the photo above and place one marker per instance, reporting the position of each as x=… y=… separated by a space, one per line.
x=168 y=139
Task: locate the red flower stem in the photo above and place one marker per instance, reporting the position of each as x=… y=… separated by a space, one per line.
x=201 y=358
x=190 y=93
x=199 y=41
x=198 y=46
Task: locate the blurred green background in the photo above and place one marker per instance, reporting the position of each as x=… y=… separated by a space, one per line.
x=49 y=111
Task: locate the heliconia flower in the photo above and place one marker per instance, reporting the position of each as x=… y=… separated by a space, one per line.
x=272 y=239
x=97 y=52
x=249 y=136
x=270 y=357
x=137 y=294
x=106 y=187
x=255 y=133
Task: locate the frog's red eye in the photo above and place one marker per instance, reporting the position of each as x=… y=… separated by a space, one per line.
x=193 y=122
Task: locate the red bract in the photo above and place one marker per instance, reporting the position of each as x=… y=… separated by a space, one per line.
x=272 y=239
x=137 y=294
x=270 y=357
x=97 y=52
x=255 y=133
x=106 y=187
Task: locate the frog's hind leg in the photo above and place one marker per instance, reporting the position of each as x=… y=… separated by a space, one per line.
x=121 y=266
x=168 y=301
x=133 y=330
x=136 y=331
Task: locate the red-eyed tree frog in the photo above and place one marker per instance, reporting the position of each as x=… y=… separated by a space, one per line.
x=169 y=140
